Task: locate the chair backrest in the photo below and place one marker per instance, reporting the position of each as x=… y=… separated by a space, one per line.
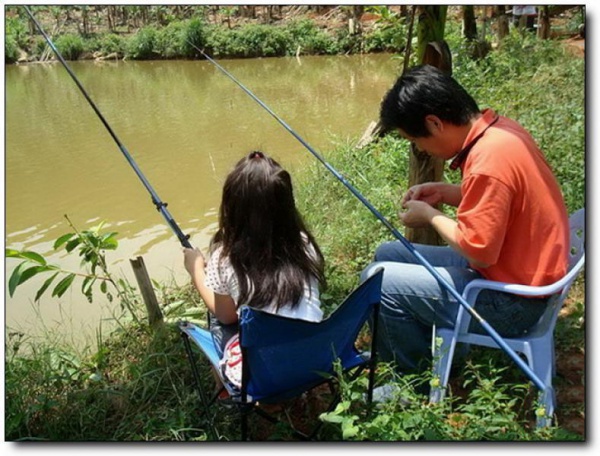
x=284 y=355
x=577 y=228
x=576 y=262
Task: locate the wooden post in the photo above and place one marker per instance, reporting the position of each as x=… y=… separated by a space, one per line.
x=423 y=167
x=155 y=316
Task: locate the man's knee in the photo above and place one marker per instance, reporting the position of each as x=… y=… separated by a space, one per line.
x=391 y=251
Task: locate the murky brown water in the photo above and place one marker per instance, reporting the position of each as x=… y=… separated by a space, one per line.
x=185 y=124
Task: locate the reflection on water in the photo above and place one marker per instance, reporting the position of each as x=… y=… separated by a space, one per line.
x=185 y=124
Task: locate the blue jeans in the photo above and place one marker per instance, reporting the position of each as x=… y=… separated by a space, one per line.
x=413 y=301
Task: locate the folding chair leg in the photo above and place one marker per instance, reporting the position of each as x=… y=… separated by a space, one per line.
x=373 y=358
x=196 y=375
x=244 y=427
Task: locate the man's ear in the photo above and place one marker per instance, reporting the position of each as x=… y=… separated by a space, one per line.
x=433 y=124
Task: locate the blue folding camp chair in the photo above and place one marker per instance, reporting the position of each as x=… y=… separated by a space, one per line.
x=537 y=345
x=285 y=357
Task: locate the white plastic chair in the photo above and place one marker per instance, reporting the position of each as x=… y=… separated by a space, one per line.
x=537 y=345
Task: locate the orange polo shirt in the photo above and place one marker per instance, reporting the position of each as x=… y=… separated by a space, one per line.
x=512 y=215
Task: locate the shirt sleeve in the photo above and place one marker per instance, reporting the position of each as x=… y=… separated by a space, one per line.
x=483 y=216
x=218 y=273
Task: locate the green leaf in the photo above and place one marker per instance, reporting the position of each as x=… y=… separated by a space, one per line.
x=43 y=288
x=61 y=240
x=33 y=256
x=349 y=430
x=63 y=285
x=15 y=278
x=109 y=242
x=29 y=273
x=72 y=244
x=331 y=417
x=103 y=287
x=12 y=253
x=86 y=287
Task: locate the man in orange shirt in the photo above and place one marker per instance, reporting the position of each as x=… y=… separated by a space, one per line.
x=511 y=221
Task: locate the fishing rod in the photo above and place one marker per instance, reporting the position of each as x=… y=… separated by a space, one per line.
x=158 y=203
x=491 y=331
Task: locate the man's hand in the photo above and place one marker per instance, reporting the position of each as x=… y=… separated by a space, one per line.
x=428 y=192
x=417 y=214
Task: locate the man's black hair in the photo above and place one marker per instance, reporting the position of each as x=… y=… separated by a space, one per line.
x=422 y=91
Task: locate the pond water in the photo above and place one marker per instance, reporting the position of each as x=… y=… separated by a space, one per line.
x=185 y=125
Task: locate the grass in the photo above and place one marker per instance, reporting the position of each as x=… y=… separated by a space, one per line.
x=137 y=386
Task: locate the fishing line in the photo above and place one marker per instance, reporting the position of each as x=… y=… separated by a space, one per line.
x=160 y=205
x=491 y=331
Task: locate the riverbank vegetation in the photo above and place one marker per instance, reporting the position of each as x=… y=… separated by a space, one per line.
x=146 y=32
x=137 y=384
x=172 y=32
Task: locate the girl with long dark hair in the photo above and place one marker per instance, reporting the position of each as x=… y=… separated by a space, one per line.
x=262 y=254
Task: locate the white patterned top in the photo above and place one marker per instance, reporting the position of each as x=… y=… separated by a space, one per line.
x=221 y=279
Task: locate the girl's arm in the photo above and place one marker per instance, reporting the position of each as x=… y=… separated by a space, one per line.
x=221 y=306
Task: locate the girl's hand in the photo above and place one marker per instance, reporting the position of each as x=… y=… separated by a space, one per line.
x=193 y=260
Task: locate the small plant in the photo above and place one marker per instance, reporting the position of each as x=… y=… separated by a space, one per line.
x=70 y=46
x=112 y=43
x=142 y=45
x=92 y=245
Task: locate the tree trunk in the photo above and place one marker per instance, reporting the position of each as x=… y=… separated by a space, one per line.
x=431 y=50
x=544 y=22
x=503 y=27
x=469 y=23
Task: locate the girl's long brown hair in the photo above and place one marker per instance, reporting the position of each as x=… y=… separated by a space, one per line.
x=261 y=232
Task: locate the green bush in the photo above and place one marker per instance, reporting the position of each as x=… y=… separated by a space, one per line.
x=113 y=43
x=305 y=34
x=142 y=45
x=386 y=38
x=194 y=34
x=16 y=29
x=256 y=40
x=248 y=41
x=11 y=50
x=70 y=46
x=170 y=40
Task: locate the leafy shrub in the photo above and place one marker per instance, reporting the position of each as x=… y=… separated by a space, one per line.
x=305 y=34
x=169 y=40
x=16 y=29
x=347 y=42
x=142 y=45
x=262 y=40
x=11 y=50
x=386 y=39
x=249 y=41
x=112 y=43
x=70 y=46
x=195 y=33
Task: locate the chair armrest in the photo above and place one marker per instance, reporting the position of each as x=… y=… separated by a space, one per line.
x=475 y=286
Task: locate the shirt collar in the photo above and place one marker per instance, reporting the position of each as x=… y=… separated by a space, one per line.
x=488 y=118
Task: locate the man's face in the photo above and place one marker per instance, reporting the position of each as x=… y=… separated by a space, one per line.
x=435 y=145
